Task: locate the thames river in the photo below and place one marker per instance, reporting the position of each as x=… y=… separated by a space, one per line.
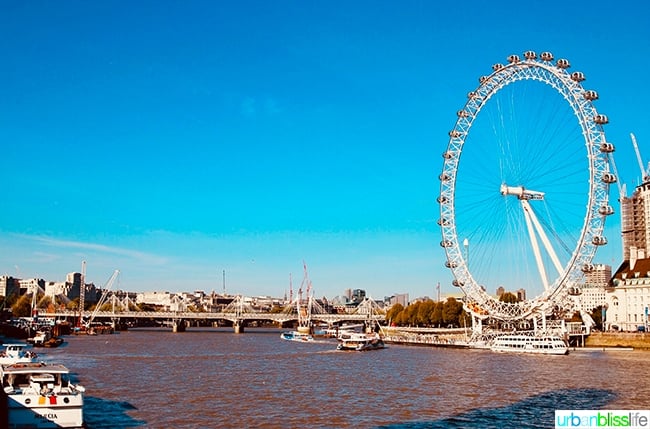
x=213 y=378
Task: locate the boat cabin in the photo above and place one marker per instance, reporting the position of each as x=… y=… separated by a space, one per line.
x=37 y=378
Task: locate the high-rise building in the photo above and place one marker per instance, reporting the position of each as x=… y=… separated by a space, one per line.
x=9 y=286
x=635 y=223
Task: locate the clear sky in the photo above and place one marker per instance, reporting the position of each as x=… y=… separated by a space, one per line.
x=176 y=140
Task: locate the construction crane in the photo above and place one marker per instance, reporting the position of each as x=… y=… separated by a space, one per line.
x=102 y=300
x=644 y=172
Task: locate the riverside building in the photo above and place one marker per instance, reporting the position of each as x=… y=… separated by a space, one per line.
x=628 y=294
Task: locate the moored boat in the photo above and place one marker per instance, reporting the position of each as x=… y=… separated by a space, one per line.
x=40 y=395
x=45 y=339
x=359 y=342
x=518 y=343
x=16 y=353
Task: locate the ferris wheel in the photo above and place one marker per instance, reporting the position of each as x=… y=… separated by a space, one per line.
x=524 y=189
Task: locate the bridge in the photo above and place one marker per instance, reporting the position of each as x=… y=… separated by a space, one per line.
x=238 y=313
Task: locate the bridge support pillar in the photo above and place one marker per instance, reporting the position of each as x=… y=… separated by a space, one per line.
x=239 y=327
x=178 y=326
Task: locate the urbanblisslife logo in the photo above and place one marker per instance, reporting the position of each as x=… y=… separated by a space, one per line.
x=604 y=419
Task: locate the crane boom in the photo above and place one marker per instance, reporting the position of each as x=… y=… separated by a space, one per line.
x=102 y=300
x=621 y=187
x=644 y=172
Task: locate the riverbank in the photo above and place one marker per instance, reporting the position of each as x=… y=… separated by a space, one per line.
x=635 y=340
x=458 y=339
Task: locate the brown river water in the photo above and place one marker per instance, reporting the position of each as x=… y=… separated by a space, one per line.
x=213 y=378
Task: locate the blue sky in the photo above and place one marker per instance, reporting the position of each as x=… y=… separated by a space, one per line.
x=173 y=140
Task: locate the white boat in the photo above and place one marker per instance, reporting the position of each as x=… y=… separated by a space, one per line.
x=16 y=353
x=296 y=336
x=518 y=343
x=359 y=342
x=39 y=339
x=41 y=396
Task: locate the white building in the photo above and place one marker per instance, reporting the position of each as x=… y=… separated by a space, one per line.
x=593 y=293
x=154 y=298
x=628 y=296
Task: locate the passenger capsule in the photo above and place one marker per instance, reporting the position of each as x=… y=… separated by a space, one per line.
x=497 y=66
x=512 y=59
x=587 y=268
x=472 y=95
x=442 y=200
x=446 y=243
x=530 y=55
x=483 y=79
x=457 y=283
x=590 y=95
x=605 y=210
x=443 y=222
x=609 y=178
x=546 y=56
x=454 y=133
x=574 y=291
x=563 y=64
x=462 y=113
x=444 y=177
x=607 y=147
x=450 y=264
x=578 y=76
x=448 y=155
x=601 y=119
x=599 y=240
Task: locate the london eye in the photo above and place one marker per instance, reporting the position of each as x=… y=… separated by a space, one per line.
x=524 y=188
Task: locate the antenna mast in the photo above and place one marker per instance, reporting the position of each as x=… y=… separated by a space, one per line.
x=290 y=289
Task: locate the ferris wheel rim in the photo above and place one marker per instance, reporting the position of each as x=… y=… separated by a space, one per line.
x=598 y=151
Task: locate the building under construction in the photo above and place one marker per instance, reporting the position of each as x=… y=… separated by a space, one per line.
x=628 y=297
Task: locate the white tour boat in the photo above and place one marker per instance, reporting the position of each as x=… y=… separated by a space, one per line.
x=16 y=353
x=40 y=395
x=518 y=343
x=359 y=342
x=296 y=336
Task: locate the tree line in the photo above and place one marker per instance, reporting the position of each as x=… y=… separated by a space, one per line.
x=430 y=314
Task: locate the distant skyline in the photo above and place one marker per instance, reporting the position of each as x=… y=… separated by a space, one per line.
x=175 y=140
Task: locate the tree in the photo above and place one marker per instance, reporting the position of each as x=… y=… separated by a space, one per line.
x=392 y=314
x=508 y=297
x=597 y=315
x=465 y=319
x=425 y=312
x=411 y=314
x=401 y=318
x=436 y=317
x=451 y=311
x=73 y=305
x=22 y=307
x=45 y=302
x=576 y=317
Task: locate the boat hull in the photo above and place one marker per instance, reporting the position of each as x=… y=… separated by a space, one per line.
x=41 y=412
x=296 y=336
x=38 y=395
x=360 y=343
x=530 y=345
